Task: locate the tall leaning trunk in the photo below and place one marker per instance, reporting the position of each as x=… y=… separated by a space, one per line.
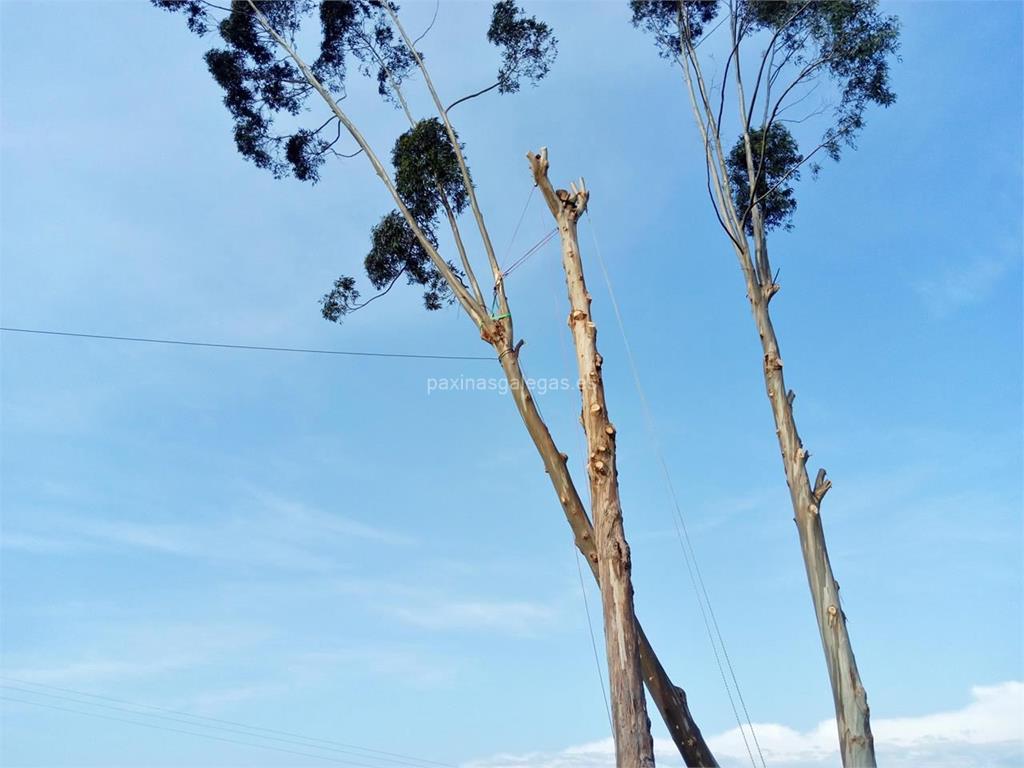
x=670 y=699
x=632 y=727
x=857 y=745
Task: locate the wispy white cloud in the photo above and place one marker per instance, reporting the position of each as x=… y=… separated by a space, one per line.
x=407 y=665
x=987 y=733
x=437 y=609
x=120 y=651
x=271 y=532
x=965 y=284
x=520 y=617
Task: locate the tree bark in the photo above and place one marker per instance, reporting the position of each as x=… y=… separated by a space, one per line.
x=857 y=744
x=632 y=727
x=670 y=699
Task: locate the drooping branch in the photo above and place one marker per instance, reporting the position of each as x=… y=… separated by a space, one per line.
x=481 y=92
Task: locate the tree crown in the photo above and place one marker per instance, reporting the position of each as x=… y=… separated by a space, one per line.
x=262 y=85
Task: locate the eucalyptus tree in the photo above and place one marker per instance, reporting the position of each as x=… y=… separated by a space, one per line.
x=268 y=88
x=815 y=65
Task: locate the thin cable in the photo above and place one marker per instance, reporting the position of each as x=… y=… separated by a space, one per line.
x=412 y=762
x=593 y=638
x=534 y=249
x=187 y=733
x=519 y=223
x=689 y=553
x=394 y=757
x=251 y=347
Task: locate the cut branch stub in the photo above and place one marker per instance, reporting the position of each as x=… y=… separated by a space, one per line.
x=821 y=485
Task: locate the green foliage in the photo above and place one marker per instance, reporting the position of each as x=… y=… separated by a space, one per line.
x=661 y=18
x=847 y=39
x=846 y=42
x=528 y=47
x=426 y=168
x=194 y=10
x=340 y=300
x=776 y=164
x=261 y=85
x=363 y=29
x=394 y=251
x=304 y=152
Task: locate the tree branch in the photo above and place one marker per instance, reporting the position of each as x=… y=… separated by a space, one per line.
x=470 y=96
x=764 y=57
x=476 y=311
x=470 y=190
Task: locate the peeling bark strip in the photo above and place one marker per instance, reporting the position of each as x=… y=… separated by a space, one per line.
x=632 y=727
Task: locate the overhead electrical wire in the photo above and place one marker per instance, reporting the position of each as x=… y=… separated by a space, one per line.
x=247 y=347
x=125 y=706
x=187 y=733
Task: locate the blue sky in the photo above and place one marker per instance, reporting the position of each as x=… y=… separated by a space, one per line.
x=318 y=545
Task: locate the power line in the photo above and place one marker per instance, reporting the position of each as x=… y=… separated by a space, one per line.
x=248 y=347
x=187 y=733
x=682 y=532
x=219 y=723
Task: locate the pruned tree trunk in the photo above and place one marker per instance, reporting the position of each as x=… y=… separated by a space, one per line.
x=850 y=700
x=857 y=745
x=670 y=699
x=632 y=727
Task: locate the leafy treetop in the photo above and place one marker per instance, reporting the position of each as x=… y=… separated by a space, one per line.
x=780 y=165
x=847 y=42
x=261 y=84
x=528 y=47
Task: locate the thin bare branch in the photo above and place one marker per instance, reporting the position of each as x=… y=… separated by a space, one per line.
x=430 y=26
x=481 y=92
x=765 y=56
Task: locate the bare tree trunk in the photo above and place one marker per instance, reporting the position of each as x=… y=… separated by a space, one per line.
x=670 y=700
x=633 y=743
x=851 y=705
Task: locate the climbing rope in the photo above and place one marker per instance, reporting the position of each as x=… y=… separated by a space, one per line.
x=522 y=259
x=534 y=249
